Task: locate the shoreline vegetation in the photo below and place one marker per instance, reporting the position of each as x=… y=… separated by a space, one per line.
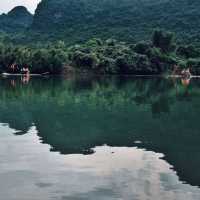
x=155 y=57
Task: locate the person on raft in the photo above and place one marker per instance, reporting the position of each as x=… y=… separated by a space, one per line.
x=14 y=68
x=185 y=73
x=25 y=70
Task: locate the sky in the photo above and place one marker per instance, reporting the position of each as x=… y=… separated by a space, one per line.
x=7 y=5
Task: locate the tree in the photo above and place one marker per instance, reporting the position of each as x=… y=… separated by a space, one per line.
x=187 y=51
x=163 y=40
x=142 y=47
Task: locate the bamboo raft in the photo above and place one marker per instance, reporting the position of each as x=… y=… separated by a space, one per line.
x=20 y=74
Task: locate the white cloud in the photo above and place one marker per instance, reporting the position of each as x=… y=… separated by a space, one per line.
x=7 y=5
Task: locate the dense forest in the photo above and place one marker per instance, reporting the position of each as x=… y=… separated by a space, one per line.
x=77 y=21
x=126 y=20
x=156 y=56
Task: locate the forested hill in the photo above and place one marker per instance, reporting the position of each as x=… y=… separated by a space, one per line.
x=127 y=20
x=18 y=19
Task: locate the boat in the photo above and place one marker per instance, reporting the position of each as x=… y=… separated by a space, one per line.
x=22 y=74
x=183 y=74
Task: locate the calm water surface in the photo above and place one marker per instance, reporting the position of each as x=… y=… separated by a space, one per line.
x=105 y=138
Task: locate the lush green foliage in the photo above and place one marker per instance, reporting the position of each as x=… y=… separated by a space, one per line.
x=125 y=20
x=77 y=21
x=103 y=57
x=156 y=57
x=39 y=60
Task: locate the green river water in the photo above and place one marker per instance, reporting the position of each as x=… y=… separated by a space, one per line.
x=99 y=138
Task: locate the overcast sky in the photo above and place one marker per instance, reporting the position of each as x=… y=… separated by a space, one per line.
x=7 y=5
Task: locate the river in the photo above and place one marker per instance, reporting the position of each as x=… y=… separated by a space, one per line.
x=102 y=138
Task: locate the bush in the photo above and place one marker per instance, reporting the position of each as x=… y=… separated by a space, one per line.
x=38 y=60
x=187 y=51
x=194 y=65
x=83 y=60
x=107 y=65
x=142 y=47
x=164 y=41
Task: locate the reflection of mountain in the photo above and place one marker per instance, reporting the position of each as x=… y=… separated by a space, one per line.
x=76 y=115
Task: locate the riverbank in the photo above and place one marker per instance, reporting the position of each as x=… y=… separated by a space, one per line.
x=154 y=57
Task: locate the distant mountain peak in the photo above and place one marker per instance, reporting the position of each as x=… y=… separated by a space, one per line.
x=16 y=20
x=19 y=11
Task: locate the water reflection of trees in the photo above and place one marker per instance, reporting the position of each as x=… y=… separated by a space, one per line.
x=156 y=94
x=75 y=115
